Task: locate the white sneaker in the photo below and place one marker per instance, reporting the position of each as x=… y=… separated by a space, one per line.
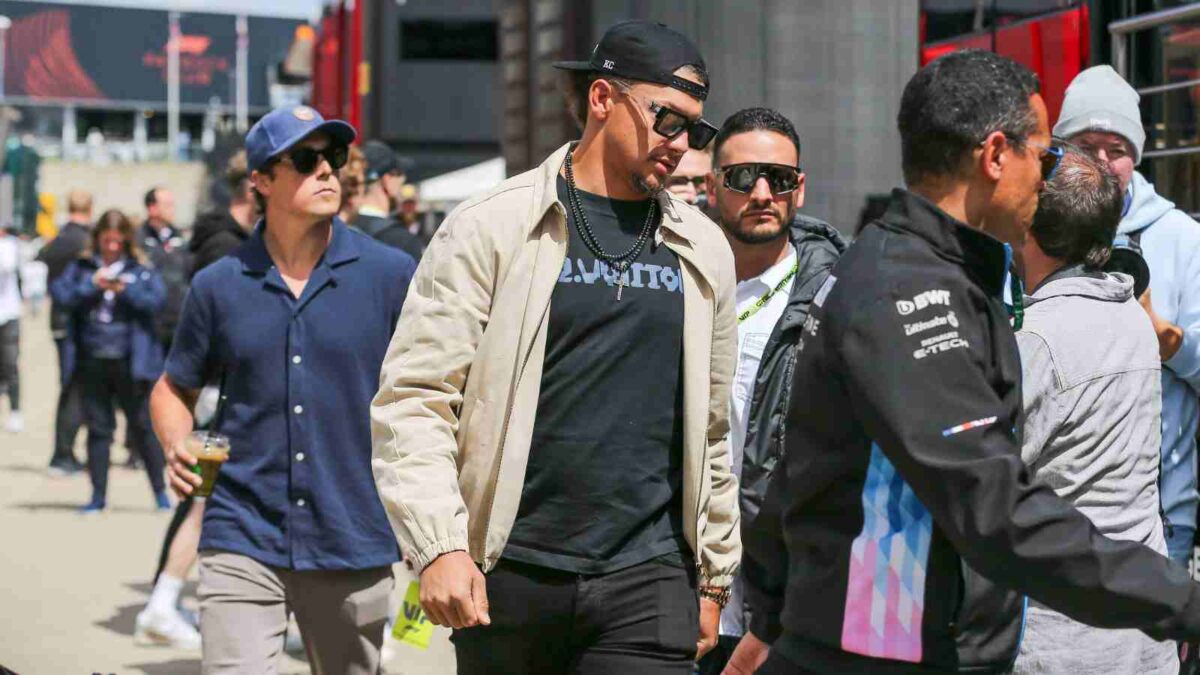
x=169 y=628
x=293 y=643
x=15 y=424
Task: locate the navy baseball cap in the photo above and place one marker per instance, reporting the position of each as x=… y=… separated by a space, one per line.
x=382 y=160
x=645 y=51
x=282 y=128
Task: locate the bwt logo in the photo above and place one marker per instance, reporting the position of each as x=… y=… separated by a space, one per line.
x=926 y=299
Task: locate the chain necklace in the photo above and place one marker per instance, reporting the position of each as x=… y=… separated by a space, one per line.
x=618 y=263
x=766 y=297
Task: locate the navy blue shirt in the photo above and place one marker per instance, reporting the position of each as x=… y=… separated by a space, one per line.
x=297 y=491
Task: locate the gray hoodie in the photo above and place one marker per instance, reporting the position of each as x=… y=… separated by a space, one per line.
x=1091 y=394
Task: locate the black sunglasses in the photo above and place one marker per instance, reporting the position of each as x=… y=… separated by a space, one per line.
x=781 y=178
x=669 y=123
x=695 y=181
x=305 y=159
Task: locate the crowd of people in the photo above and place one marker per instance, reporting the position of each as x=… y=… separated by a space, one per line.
x=633 y=412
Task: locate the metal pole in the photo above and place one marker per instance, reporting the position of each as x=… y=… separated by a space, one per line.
x=173 y=86
x=1155 y=19
x=5 y=24
x=1119 y=57
x=242 y=101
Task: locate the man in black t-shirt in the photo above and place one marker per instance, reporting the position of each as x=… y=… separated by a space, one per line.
x=550 y=434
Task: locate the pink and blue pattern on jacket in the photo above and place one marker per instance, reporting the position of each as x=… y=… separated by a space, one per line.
x=885 y=596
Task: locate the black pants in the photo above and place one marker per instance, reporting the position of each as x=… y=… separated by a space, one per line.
x=640 y=620
x=106 y=384
x=68 y=416
x=715 y=661
x=10 y=349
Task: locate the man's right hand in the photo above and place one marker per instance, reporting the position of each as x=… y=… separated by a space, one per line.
x=747 y=657
x=454 y=593
x=179 y=469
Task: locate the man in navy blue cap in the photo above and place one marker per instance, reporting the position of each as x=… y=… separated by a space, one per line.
x=295 y=324
x=384 y=177
x=551 y=430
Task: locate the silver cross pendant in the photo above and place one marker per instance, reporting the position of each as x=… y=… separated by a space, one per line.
x=620 y=280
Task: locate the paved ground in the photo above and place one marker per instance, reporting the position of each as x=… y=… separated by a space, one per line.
x=71 y=584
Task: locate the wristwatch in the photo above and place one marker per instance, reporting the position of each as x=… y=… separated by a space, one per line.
x=718 y=594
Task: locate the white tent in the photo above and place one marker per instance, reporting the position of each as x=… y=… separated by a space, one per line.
x=448 y=189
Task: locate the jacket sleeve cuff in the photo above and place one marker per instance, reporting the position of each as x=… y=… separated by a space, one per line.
x=421 y=559
x=720 y=581
x=1186 y=362
x=765 y=626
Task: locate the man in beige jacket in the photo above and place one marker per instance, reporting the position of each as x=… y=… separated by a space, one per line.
x=551 y=430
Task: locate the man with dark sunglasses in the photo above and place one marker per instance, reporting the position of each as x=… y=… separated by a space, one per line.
x=782 y=258
x=687 y=182
x=550 y=433
x=902 y=526
x=294 y=324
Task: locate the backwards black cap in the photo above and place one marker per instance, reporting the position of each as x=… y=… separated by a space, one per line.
x=645 y=51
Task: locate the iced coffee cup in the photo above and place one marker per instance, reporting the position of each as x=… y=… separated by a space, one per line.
x=211 y=450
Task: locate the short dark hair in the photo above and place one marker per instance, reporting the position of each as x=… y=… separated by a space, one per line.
x=268 y=170
x=236 y=171
x=151 y=197
x=954 y=102
x=1078 y=211
x=575 y=84
x=754 y=119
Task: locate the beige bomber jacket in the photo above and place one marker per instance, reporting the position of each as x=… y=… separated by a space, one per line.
x=452 y=422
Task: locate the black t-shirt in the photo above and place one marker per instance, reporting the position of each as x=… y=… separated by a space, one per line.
x=603 y=487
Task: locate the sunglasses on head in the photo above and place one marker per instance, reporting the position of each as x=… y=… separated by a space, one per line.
x=669 y=123
x=781 y=178
x=1050 y=159
x=305 y=159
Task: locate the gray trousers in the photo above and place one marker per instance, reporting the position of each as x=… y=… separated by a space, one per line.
x=10 y=350
x=244 y=608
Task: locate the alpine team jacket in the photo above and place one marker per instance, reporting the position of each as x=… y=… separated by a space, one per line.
x=903 y=496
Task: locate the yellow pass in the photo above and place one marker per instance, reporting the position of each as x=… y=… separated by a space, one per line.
x=412 y=626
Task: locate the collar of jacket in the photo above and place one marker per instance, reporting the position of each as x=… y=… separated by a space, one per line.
x=672 y=226
x=980 y=254
x=809 y=236
x=148 y=232
x=1078 y=281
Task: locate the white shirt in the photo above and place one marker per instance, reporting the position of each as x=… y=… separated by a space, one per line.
x=10 y=266
x=753 y=334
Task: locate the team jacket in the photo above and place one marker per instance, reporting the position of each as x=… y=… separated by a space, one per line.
x=903 y=512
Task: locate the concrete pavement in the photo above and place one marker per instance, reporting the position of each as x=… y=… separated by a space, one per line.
x=72 y=584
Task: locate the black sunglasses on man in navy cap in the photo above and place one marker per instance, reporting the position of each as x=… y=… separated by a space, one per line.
x=305 y=159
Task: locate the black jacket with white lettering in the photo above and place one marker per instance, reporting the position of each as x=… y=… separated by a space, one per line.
x=903 y=492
